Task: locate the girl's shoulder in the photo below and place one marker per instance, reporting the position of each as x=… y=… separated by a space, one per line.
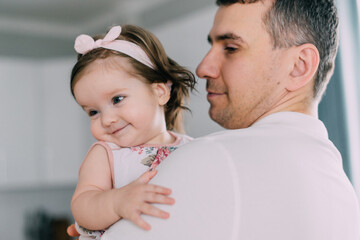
x=181 y=138
x=107 y=145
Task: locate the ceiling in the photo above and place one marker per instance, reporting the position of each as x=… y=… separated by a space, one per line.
x=47 y=28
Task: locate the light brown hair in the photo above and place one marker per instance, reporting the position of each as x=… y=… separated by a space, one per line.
x=165 y=70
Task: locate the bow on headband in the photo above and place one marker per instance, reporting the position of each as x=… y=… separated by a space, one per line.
x=85 y=43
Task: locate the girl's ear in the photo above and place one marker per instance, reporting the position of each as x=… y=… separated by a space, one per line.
x=162 y=92
x=305 y=66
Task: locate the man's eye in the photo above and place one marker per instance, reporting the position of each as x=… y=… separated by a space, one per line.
x=230 y=49
x=92 y=113
x=117 y=99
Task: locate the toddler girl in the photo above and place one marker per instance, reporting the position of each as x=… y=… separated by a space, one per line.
x=133 y=93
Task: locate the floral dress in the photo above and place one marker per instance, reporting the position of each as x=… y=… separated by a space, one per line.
x=127 y=164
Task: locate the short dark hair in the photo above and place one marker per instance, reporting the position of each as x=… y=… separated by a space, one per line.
x=296 y=22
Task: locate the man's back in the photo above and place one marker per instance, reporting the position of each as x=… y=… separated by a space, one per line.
x=279 y=179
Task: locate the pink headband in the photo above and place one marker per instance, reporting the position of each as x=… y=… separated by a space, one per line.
x=85 y=43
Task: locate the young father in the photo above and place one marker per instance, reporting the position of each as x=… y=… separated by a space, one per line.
x=275 y=175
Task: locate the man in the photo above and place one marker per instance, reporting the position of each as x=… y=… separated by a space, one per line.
x=276 y=175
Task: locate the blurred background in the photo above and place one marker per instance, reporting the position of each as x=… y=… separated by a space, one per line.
x=44 y=135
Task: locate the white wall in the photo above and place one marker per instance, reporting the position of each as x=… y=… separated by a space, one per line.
x=44 y=136
x=42 y=128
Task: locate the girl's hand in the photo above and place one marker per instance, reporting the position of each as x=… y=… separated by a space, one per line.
x=135 y=199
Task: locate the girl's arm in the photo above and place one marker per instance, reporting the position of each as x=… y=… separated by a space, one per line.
x=95 y=205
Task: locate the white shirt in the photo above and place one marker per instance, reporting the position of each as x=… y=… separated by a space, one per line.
x=280 y=179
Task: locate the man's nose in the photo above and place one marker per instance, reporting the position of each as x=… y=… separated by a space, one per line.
x=209 y=66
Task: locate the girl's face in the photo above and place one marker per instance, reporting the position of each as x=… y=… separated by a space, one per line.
x=123 y=109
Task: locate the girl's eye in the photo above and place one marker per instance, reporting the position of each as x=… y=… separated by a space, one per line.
x=92 y=113
x=117 y=99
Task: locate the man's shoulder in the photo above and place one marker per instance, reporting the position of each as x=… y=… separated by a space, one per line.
x=212 y=146
x=228 y=135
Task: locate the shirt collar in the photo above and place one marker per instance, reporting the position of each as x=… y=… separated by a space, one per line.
x=297 y=120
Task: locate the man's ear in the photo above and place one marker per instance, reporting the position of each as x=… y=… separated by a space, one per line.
x=305 y=66
x=162 y=91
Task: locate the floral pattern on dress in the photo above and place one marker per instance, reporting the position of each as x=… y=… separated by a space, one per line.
x=155 y=155
x=86 y=234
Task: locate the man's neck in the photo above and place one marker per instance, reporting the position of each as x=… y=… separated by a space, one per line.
x=295 y=102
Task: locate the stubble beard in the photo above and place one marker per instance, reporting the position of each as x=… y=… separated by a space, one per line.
x=239 y=117
x=226 y=118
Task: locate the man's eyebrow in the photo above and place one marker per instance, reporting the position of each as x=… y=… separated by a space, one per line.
x=226 y=36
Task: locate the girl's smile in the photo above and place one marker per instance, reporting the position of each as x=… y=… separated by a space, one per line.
x=122 y=107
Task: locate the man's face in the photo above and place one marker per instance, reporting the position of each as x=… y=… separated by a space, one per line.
x=244 y=73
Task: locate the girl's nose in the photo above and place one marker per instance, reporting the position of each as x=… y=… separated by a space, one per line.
x=209 y=66
x=108 y=118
